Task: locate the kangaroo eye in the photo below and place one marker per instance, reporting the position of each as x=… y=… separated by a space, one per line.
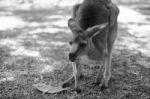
x=83 y=44
x=70 y=42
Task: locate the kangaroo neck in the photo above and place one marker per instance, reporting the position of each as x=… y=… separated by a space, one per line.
x=94 y=52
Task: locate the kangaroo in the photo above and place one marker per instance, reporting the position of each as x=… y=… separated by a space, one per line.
x=94 y=28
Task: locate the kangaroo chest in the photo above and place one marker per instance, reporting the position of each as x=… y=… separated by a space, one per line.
x=85 y=60
x=93 y=55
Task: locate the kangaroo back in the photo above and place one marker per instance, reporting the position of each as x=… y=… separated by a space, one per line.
x=92 y=12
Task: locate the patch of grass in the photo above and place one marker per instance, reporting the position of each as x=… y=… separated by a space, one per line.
x=130 y=69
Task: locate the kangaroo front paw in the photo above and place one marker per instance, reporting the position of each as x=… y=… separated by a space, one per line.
x=78 y=90
x=69 y=82
x=104 y=84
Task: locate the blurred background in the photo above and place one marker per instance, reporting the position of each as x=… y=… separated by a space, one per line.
x=34 y=47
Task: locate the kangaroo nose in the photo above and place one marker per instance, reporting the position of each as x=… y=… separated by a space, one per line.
x=72 y=57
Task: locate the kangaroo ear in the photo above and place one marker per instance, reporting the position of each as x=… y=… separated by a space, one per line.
x=74 y=27
x=92 y=31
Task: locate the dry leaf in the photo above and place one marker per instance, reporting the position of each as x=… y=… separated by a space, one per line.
x=48 y=88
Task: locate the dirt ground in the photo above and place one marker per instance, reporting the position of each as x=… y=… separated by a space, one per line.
x=34 y=47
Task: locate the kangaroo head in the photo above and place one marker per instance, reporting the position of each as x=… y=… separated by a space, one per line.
x=79 y=43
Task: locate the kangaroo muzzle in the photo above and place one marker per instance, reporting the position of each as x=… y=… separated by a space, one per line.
x=72 y=57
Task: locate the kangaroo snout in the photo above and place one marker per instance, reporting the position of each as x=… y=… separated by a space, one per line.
x=72 y=57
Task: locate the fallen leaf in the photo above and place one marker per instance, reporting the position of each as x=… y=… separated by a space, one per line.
x=48 y=88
